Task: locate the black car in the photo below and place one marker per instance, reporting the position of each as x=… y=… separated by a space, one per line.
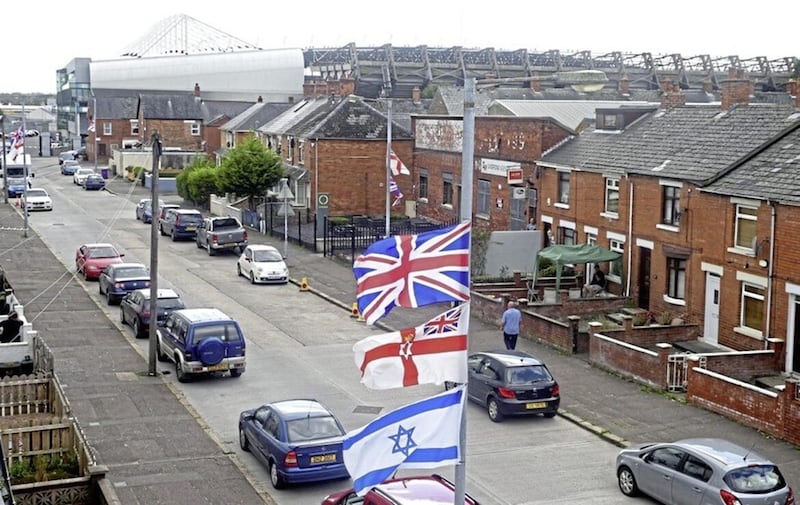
x=511 y=383
x=134 y=309
x=118 y=279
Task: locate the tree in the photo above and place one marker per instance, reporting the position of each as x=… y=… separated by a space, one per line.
x=198 y=181
x=250 y=169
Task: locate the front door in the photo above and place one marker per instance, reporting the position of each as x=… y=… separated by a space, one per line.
x=711 y=314
x=796 y=335
x=644 y=278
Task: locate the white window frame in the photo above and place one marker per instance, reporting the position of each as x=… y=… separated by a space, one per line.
x=194 y=128
x=107 y=129
x=680 y=279
x=134 y=127
x=748 y=292
x=300 y=149
x=612 y=186
x=423 y=185
x=616 y=245
x=738 y=217
x=563 y=184
x=483 y=208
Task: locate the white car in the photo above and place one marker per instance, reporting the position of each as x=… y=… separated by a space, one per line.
x=80 y=175
x=262 y=264
x=38 y=199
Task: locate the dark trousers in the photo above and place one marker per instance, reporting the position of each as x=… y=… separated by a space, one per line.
x=510 y=340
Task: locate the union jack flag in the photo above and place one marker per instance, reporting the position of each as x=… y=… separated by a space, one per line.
x=413 y=270
x=17 y=143
x=394 y=189
x=396 y=165
x=443 y=323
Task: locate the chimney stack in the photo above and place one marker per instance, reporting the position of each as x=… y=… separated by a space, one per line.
x=625 y=85
x=536 y=86
x=347 y=86
x=260 y=99
x=196 y=89
x=736 y=89
x=793 y=87
x=671 y=96
x=416 y=95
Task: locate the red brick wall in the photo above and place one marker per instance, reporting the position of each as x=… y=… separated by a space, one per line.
x=437 y=163
x=630 y=361
x=120 y=129
x=743 y=366
x=173 y=132
x=354 y=173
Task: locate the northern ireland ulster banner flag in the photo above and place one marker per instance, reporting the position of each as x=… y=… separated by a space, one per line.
x=429 y=354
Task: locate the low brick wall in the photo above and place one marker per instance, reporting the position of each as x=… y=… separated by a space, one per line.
x=743 y=365
x=631 y=361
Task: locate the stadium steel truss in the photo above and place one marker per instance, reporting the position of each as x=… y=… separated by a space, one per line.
x=404 y=68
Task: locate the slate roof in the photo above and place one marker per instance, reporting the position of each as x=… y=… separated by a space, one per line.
x=571 y=114
x=216 y=109
x=291 y=116
x=170 y=106
x=116 y=103
x=691 y=143
x=403 y=109
x=259 y=113
x=771 y=174
x=351 y=118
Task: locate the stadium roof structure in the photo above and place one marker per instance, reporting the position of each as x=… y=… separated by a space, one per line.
x=182 y=34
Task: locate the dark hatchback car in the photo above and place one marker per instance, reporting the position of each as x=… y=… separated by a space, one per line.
x=134 y=309
x=94 y=181
x=297 y=440
x=181 y=223
x=118 y=279
x=511 y=383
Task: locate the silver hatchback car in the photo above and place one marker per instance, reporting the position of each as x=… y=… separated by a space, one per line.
x=701 y=471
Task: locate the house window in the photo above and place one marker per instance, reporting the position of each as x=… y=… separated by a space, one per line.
x=483 y=197
x=533 y=202
x=563 y=188
x=746 y=221
x=300 y=148
x=447 y=189
x=134 y=127
x=566 y=236
x=612 y=196
x=609 y=121
x=194 y=128
x=106 y=128
x=423 y=184
x=672 y=205
x=676 y=275
x=517 y=213
x=615 y=267
x=752 y=315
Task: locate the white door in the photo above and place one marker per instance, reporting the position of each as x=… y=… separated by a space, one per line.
x=711 y=316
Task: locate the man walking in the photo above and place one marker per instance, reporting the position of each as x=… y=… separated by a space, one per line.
x=510 y=325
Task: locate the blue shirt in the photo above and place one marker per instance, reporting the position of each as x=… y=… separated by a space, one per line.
x=511 y=319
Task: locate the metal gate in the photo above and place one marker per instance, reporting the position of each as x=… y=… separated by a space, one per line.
x=677 y=368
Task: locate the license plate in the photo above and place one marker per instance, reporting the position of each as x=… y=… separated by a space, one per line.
x=535 y=405
x=217 y=368
x=191 y=228
x=325 y=458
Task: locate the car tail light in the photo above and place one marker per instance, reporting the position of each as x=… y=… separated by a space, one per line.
x=147 y=284
x=214 y=239
x=146 y=315
x=506 y=393
x=118 y=285
x=290 y=459
x=556 y=390
x=728 y=498
x=244 y=235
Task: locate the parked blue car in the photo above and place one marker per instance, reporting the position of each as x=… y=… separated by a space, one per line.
x=298 y=441
x=94 y=181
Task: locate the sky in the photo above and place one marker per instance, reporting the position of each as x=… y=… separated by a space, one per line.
x=98 y=31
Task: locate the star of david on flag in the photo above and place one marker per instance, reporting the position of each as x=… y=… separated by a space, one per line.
x=413 y=271
x=424 y=434
x=431 y=353
x=396 y=165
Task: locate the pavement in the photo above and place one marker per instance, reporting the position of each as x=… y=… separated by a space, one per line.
x=129 y=417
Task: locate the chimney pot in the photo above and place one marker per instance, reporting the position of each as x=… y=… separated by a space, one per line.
x=196 y=89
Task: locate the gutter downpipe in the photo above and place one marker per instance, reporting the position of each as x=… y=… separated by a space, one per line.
x=630 y=237
x=770 y=271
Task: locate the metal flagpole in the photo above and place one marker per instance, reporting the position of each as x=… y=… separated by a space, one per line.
x=27 y=176
x=388 y=165
x=467 y=163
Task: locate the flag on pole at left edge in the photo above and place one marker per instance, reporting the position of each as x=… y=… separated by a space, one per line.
x=413 y=271
x=424 y=434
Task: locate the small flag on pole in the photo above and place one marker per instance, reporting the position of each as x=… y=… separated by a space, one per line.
x=396 y=165
x=394 y=189
x=17 y=143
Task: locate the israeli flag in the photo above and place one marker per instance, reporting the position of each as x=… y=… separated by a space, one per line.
x=420 y=435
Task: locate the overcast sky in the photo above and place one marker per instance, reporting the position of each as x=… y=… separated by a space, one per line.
x=102 y=30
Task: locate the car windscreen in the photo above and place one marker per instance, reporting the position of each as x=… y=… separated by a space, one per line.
x=103 y=252
x=312 y=428
x=527 y=374
x=227 y=332
x=264 y=256
x=755 y=479
x=131 y=273
x=170 y=303
x=191 y=218
x=36 y=193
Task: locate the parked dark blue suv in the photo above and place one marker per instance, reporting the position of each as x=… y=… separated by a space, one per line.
x=201 y=341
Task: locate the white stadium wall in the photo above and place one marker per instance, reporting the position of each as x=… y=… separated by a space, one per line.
x=275 y=75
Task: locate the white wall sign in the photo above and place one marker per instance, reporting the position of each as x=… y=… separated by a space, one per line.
x=498 y=167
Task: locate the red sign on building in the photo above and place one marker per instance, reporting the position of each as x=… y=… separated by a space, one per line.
x=515 y=176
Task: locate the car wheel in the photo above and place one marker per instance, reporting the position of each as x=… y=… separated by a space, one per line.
x=274 y=477
x=109 y=298
x=100 y=288
x=159 y=354
x=137 y=328
x=243 y=443
x=85 y=275
x=235 y=372
x=199 y=245
x=179 y=372
x=210 y=249
x=122 y=316
x=627 y=482
x=161 y=230
x=252 y=277
x=493 y=409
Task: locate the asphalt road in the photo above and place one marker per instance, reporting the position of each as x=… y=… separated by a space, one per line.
x=299 y=346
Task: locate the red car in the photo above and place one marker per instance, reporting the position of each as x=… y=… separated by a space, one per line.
x=91 y=259
x=429 y=489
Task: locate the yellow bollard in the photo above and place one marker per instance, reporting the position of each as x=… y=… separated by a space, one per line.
x=304 y=284
x=354 y=313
